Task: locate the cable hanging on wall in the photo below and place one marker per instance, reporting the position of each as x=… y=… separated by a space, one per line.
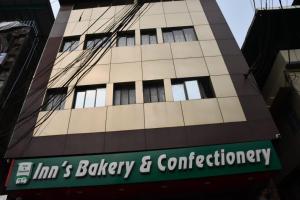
x=88 y=61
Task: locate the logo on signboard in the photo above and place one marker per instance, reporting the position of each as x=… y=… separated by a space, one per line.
x=23 y=173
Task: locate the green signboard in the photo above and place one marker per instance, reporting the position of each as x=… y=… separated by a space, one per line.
x=141 y=167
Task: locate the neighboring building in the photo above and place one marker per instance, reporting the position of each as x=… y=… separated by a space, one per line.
x=24 y=29
x=142 y=101
x=272 y=48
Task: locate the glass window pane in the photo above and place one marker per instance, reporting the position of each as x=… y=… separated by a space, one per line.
x=124 y=96
x=153 y=93
x=90 y=96
x=192 y=89
x=161 y=94
x=152 y=39
x=132 y=96
x=178 y=36
x=49 y=102
x=145 y=39
x=74 y=45
x=89 y=44
x=100 y=99
x=79 y=99
x=67 y=46
x=103 y=41
x=168 y=36
x=189 y=34
x=202 y=90
x=57 y=101
x=178 y=92
x=117 y=97
x=146 y=95
x=62 y=101
x=97 y=42
x=121 y=41
x=130 y=41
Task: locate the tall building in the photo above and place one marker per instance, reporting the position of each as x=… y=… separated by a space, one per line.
x=142 y=100
x=275 y=58
x=24 y=29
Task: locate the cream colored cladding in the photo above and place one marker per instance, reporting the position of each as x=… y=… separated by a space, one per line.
x=125 y=117
x=190 y=67
x=56 y=124
x=161 y=61
x=126 y=72
x=87 y=120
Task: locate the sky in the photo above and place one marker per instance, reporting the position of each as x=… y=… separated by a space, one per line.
x=238 y=13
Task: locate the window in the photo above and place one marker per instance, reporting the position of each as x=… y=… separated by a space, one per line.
x=154 y=91
x=90 y=97
x=148 y=37
x=125 y=39
x=193 y=88
x=181 y=34
x=70 y=44
x=93 y=41
x=124 y=93
x=55 y=99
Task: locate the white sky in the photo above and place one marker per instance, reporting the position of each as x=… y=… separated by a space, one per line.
x=238 y=13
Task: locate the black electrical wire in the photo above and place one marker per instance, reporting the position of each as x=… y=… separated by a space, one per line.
x=121 y=26
x=42 y=91
x=75 y=84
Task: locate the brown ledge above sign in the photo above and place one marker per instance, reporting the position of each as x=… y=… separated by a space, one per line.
x=141 y=167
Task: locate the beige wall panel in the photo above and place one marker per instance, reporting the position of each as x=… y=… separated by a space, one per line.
x=137 y=37
x=168 y=90
x=158 y=69
x=87 y=120
x=125 y=72
x=76 y=28
x=99 y=74
x=203 y=111
x=186 y=50
x=159 y=36
x=152 y=21
x=139 y=92
x=175 y=7
x=125 y=117
x=121 y=9
x=101 y=58
x=58 y=77
x=99 y=26
x=56 y=124
x=199 y=18
x=231 y=109
x=134 y=23
x=216 y=65
x=156 y=52
x=178 y=19
x=194 y=5
x=126 y=54
x=109 y=94
x=152 y=9
x=210 y=48
x=204 y=32
x=69 y=100
x=223 y=86
x=65 y=59
x=163 y=114
x=80 y=15
x=103 y=13
x=190 y=67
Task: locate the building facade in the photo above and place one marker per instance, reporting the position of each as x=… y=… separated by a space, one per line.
x=142 y=95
